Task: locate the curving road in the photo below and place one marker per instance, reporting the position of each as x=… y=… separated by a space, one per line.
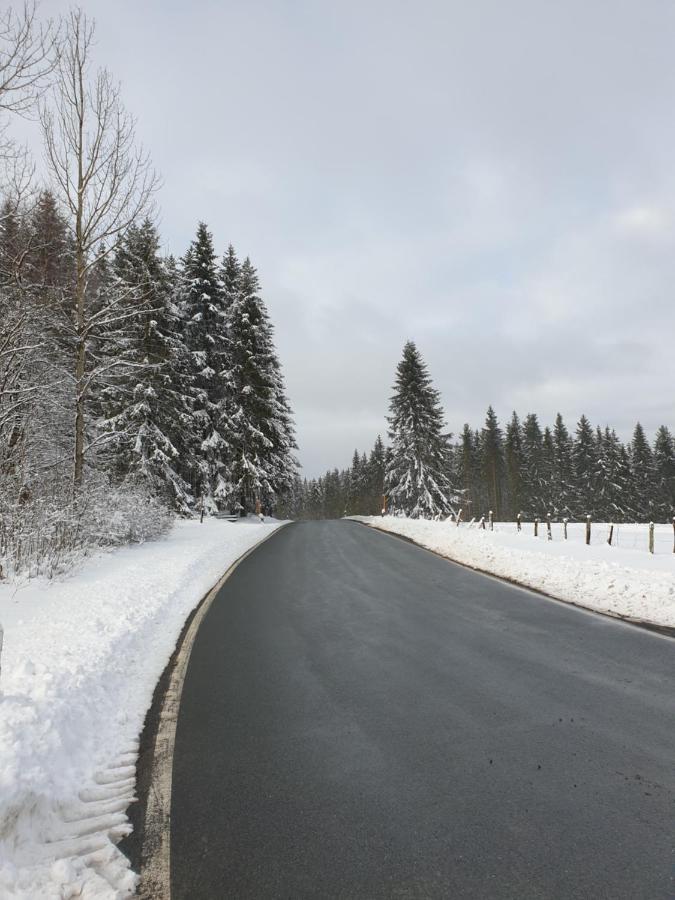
x=362 y=719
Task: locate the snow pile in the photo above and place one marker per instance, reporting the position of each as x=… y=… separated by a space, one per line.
x=80 y=663
x=621 y=581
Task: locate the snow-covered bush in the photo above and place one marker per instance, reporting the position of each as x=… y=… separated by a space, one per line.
x=48 y=534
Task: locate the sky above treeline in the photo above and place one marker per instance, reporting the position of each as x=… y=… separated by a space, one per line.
x=495 y=181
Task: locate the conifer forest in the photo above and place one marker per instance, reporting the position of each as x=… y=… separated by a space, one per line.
x=136 y=386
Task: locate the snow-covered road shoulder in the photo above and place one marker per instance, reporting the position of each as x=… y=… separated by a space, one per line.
x=81 y=659
x=615 y=581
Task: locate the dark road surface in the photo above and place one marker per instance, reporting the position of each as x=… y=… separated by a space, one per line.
x=361 y=719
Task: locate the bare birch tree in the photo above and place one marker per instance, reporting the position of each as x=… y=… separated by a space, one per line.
x=105 y=183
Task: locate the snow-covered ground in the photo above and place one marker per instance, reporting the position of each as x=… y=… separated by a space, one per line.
x=81 y=659
x=624 y=580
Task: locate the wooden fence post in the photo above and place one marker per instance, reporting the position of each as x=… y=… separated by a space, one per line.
x=549 y=534
x=611 y=533
x=520 y=525
x=536 y=527
x=565 y=521
x=651 y=537
x=588 y=530
x=492 y=520
x=459 y=517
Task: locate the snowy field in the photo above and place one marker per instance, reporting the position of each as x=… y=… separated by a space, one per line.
x=81 y=659
x=623 y=580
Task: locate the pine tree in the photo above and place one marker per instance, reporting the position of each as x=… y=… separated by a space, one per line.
x=513 y=456
x=147 y=413
x=467 y=472
x=562 y=475
x=584 y=456
x=376 y=473
x=262 y=462
x=547 y=470
x=492 y=462
x=533 y=476
x=202 y=307
x=664 y=475
x=609 y=478
x=417 y=480
x=643 y=482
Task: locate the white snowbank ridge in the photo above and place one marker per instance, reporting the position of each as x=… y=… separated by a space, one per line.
x=80 y=663
x=620 y=581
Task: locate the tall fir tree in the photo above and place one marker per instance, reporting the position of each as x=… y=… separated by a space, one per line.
x=206 y=336
x=147 y=413
x=376 y=471
x=664 y=475
x=417 y=479
x=492 y=463
x=584 y=454
x=263 y=464
x=562 y=475
x=643 y=480
x=513 y=457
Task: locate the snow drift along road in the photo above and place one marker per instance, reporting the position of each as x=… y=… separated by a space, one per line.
x=81 y=659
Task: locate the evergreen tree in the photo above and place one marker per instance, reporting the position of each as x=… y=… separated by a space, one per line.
x=609 y=478
x=534 y=485
x=664 y=475
x=643 y=481
x=492 y=463
x=262 y=462
x=584 y=453
x=376 y=473
x=147 y=412
x=513 y=456
x=417 y=480
x=547 y=470
x=202 y=307
x=562 y=474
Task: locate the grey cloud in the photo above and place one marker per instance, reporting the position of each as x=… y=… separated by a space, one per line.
x=493 y=180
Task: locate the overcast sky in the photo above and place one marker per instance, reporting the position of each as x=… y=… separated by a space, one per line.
x=493 y=180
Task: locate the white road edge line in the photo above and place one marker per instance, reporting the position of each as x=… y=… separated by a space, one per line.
x=155 y=875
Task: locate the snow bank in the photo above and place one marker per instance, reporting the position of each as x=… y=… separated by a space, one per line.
x=80 y=663
x=622 y=581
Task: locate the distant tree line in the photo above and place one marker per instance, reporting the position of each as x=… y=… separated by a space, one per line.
x=522 y=468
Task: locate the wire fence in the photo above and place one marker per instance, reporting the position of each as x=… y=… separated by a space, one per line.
x=650 y=537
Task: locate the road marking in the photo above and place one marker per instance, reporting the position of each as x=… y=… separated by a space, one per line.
x=155 y=875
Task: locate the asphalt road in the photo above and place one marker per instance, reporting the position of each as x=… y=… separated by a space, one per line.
x=362 y=719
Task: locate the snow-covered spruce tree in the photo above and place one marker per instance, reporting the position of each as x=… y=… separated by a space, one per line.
x=513 y=460
x=562 y=469
x=416 y=481
x=376 y=473
x=533 y=475
x=202 y=307
x=492 y=462
x=260 y=428
x=643 y=493
x=611 y=474
x=148 y=412
x=664 y=475
x=467 y=472
x=584 y=456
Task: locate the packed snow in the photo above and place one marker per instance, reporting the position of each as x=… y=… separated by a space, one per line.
x=622 y=580
x=81 y=659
